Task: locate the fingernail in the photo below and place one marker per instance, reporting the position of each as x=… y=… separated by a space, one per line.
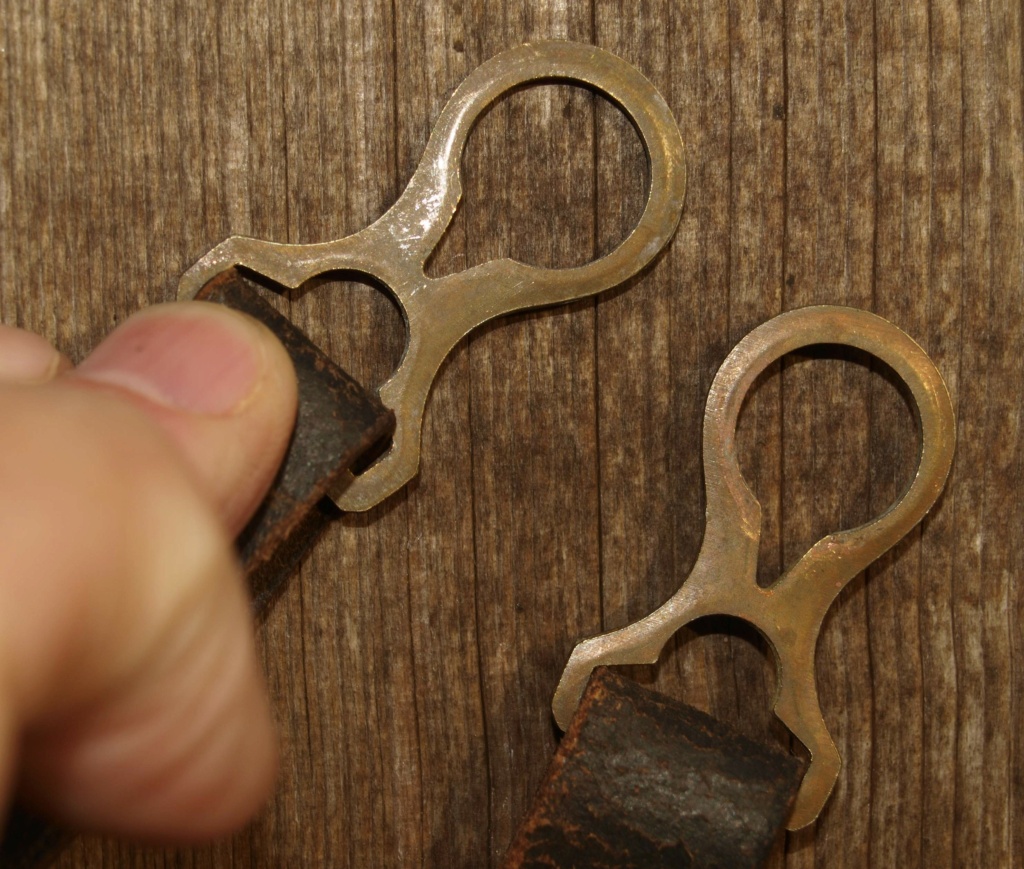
x=194 y=356
x=26 y=357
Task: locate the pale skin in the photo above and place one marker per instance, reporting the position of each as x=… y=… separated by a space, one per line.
x=131 y=699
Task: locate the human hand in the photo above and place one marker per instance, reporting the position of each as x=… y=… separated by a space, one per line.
x=131 y=700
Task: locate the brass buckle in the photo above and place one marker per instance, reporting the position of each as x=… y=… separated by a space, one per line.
x=723 y=581
x=438 y=312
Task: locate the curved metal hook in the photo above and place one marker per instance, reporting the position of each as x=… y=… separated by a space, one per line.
x=723 y=581
x=439 y=312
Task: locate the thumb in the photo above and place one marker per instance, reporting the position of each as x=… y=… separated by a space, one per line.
x=128 y=676
x=218 y=383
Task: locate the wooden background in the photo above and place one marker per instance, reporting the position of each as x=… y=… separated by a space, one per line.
x=850 y=152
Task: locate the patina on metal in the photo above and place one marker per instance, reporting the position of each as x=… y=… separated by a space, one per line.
x=723 y=581
x=438 y=312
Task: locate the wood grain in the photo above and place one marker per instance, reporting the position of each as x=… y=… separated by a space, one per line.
x=838 y=152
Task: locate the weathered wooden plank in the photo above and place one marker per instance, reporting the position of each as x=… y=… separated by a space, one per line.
x=827 y=466
x=895 y=584
x=698 y=285
x=358 y=665
x=529 y=195
x=442 y=588
x=942 y=334
x=992 y=234
x=739 y=675
x=647 y=387
x=866 y=154
x=660 y=343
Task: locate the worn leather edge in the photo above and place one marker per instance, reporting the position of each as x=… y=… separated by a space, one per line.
x=338 y=422
x=642 y=780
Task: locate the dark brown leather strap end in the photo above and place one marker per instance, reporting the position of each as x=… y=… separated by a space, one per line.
x=641 y=780
x=338 y=423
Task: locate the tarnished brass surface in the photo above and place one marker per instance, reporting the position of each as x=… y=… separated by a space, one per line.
x=439 y=311
x=724 y=578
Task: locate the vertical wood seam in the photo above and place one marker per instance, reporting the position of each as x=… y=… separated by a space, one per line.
x=595 y=250
x=872 y=753
x=397 y=182
x=1014 y=761
x=954 y=610
x=990 y=215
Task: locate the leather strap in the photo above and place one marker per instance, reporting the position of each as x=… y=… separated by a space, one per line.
x=339 y=424
x=641 y=780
